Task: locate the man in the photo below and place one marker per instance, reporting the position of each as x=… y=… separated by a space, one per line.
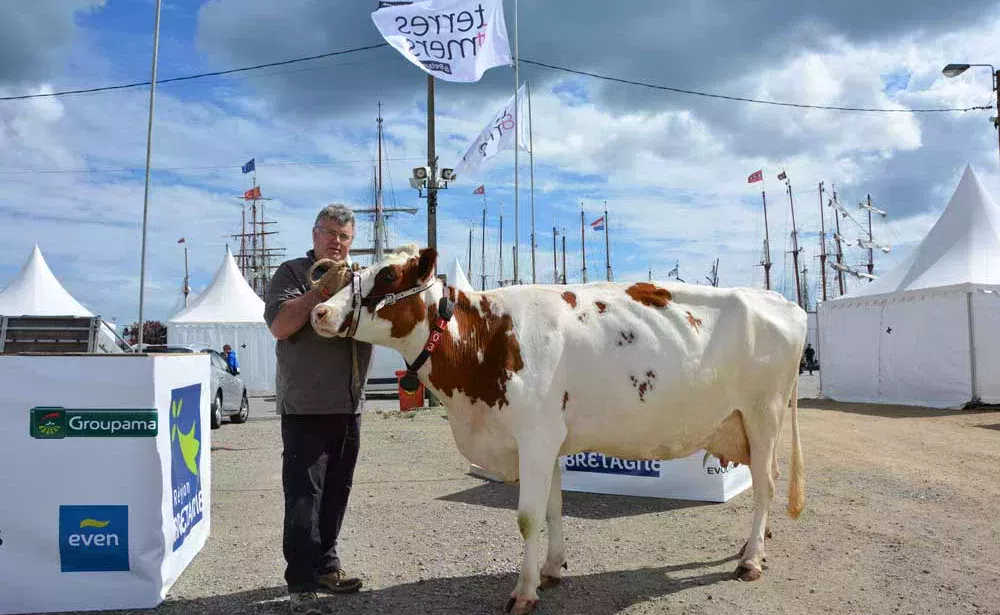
x=320 y=392
x=231 y=361
x=810 y=353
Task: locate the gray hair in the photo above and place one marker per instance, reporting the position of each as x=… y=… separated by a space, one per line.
x=336 y=213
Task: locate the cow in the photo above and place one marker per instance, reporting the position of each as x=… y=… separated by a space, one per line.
x=640 y=371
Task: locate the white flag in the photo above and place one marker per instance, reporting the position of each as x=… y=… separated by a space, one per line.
x=453 y=40
x=498 y=135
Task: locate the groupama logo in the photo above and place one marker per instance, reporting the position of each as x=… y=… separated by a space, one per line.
x=52 y=423
x=93 y=538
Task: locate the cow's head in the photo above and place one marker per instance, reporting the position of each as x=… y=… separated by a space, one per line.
x=371 y=306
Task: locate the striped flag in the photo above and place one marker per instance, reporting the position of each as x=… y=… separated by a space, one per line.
x=598 y=225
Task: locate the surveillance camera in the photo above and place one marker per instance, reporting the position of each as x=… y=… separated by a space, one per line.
x=448 y=175
x=420 y=172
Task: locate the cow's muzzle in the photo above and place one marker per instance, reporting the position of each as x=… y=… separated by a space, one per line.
x=325 y=320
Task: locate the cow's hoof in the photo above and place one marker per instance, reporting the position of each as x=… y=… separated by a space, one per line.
x=519 y=605
x=747 y=573
x=548 y=582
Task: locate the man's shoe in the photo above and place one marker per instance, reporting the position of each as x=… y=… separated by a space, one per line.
x=339 y=582
x=305 y=603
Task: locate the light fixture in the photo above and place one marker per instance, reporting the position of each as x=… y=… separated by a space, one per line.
x=448 y=175
x=420 y=173
x=954 y=70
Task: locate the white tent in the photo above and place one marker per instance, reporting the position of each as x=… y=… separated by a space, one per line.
x=230 y=312
x=926 y=332
x=35 y=291
x=457 y=278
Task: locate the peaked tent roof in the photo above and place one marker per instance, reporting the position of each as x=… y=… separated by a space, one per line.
x=228 y=298
x=963 y=246
x=35 y=291
x=457 y=277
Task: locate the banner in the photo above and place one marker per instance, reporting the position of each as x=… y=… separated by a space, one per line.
x=453 y=40
x=497 y=136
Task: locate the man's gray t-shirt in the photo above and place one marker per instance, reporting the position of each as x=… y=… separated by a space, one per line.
x=314 y=373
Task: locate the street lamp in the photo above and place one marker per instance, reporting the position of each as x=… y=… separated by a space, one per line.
x=954 y=70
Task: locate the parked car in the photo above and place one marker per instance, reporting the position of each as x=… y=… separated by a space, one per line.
x=229 y=394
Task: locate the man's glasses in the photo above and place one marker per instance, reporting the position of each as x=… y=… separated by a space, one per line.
x=343 y=237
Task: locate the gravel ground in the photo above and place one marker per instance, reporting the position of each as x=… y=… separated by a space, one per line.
x=901 y=517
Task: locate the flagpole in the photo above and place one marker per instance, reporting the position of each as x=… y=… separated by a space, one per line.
x=187 y=287
x=517 y=134
x=583 y=243
x=767 y=245
x=607 y=241
x=795 y=244
x=531 y=157
x=149 y=151
x=500 y=277
x=482 y=267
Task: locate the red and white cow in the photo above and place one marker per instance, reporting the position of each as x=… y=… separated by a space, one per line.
x=639 y=371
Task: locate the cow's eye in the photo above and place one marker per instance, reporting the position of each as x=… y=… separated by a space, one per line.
x=389 y=276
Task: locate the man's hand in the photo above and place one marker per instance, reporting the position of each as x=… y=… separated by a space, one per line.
x=337 y=276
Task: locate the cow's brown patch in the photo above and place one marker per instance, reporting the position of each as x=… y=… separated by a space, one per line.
x=406 y=314
x=569 y=298
x=455 y=365
x=565 y=400
x=601 y=306
x=694 y=322
x=649 y=294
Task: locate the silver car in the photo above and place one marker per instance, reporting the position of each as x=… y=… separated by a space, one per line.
x=229 y=394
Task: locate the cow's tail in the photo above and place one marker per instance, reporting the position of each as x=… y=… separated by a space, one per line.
x=797 y=482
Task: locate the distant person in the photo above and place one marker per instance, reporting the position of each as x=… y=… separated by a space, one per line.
x=231 y=361
x=320 y=395
x=810 y=353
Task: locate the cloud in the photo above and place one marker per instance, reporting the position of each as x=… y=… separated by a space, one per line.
x=35 y=38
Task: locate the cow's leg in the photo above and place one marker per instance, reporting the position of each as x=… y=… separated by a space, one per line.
x=762 y=433
x=536 y=458
x=555 y=558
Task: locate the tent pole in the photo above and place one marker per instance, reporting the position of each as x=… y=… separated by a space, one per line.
x=972 y=350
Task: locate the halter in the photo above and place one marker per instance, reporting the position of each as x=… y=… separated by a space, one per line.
x=446 y=308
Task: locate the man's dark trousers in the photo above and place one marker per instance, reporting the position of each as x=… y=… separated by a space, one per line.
x=320 y=452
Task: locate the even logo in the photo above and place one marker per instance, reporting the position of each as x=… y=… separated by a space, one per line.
x=93 y=538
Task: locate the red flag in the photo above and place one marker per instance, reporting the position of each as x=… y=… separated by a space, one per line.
x=253 y=193
x=782 y=175
x=756 y=176
x=480 y=190
x=181 y=240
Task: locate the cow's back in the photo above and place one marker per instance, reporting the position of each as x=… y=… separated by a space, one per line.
x=639 y=372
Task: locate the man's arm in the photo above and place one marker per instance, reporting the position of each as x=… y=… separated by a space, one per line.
x=294 y=313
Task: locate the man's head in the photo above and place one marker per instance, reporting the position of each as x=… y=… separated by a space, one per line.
x=333 y=232
x=227 y=349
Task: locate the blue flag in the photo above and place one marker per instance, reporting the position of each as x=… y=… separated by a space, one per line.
x=249 y=166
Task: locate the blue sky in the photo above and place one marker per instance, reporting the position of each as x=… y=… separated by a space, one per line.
x=671 y=167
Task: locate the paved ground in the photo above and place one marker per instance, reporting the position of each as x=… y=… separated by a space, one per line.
x=901 y=517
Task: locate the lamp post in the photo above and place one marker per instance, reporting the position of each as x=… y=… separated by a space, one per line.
x=954 y=70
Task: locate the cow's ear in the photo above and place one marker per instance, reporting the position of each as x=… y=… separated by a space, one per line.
x=425 y=266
